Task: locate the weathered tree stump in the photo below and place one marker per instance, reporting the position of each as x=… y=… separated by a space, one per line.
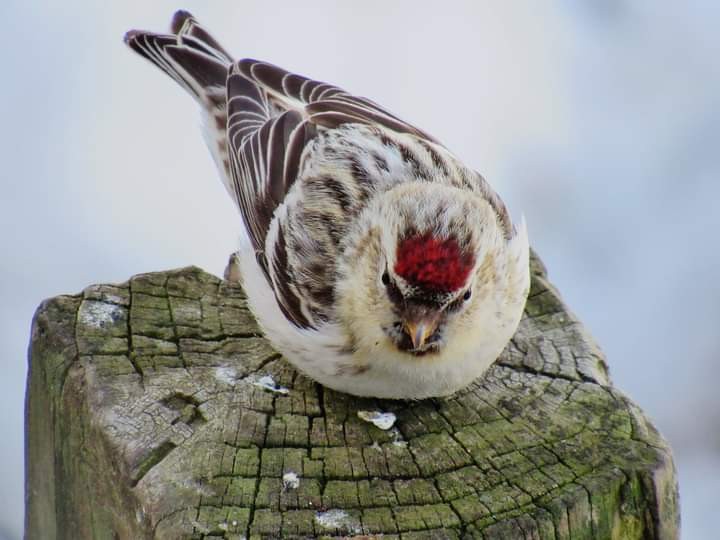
x=151 y=414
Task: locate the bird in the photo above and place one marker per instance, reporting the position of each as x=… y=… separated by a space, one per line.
x=374 y=260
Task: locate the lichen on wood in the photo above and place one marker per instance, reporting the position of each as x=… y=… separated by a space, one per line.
x=150 y=414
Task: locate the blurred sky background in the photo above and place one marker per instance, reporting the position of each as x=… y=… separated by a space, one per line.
x=599 y=120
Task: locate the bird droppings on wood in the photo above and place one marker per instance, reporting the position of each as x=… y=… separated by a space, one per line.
x=290 y=480
x=100 y=315
x=226 y=375
x=337 y=520
x=381 y=420
x=268 y=383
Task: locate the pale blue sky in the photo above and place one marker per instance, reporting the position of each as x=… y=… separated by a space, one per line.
x=600 y=124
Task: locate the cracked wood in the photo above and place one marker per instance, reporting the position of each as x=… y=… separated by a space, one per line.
x=145 y=419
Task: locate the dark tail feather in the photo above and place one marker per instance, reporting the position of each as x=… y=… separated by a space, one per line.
x=184 y=24
x=190 y=55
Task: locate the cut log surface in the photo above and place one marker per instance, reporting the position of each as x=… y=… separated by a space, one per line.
x=155 y=409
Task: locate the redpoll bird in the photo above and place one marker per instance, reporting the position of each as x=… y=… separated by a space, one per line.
x=373 y=259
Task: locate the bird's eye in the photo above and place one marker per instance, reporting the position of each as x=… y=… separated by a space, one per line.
x=392 y=290
x=467 y=295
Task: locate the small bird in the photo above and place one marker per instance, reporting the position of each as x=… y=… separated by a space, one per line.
x=374 y=260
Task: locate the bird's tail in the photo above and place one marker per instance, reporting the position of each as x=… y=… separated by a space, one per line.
x=193 y=58
x=189 y=54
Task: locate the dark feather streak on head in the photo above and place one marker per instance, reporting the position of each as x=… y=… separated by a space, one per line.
x=432 y=263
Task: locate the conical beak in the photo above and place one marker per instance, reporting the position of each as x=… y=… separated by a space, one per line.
x=419 y=331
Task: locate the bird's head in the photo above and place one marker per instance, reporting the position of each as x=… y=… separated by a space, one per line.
x=428 y=273
x=428 y=283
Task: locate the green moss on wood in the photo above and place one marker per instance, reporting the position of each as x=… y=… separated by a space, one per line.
x=144 y=421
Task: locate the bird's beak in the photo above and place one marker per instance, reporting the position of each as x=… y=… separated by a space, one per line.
x=420 y=330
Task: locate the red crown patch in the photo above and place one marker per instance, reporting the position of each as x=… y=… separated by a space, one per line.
x=433 y=263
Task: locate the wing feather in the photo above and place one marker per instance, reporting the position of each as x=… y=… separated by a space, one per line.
x=265 y=154
x=334 y=105
x=184 y=24
x=191 y=63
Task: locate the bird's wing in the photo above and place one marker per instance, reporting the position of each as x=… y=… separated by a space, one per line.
x=265 y=150
x=324 y=104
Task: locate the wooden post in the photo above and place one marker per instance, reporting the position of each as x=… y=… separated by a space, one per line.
x=155 y=409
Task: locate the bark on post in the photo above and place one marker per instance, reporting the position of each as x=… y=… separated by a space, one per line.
x=156 y=410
